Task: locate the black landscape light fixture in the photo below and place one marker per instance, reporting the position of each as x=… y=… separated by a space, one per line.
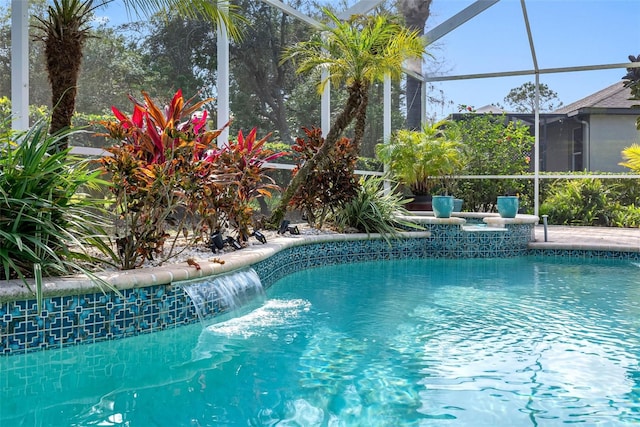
x=293 y=229
x=216 y=242
x=284 y=225
x=233 y=243
x=259 y=236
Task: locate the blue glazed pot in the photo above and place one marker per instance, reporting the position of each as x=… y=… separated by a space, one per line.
x=442 y=206
x=508 y=206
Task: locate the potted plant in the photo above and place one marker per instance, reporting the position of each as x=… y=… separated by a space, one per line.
x=425 y=161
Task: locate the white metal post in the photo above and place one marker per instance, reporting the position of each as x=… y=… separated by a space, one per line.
x=223 y=78
x=20 y=64
x=325 y=104
x=536 y=155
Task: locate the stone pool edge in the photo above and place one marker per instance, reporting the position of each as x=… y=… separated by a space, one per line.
x=76 y=311
x=11 y=290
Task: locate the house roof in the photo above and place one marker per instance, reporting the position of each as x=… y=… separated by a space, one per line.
x=490 y=109
x=614 y=96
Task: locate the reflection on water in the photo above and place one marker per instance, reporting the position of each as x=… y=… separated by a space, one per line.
x=411 y=343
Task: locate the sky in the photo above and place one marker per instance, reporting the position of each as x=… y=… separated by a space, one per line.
x=566 y=33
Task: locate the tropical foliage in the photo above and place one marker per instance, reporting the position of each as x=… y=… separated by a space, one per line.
x=356 y=52
x=592 y=201
x=578 y=202
x=66 y=28
x=495 y=146
x=631 y=158
x=425 y=160
x=329 y=187
x=64 y=32
x=243 y=161
x=168 y=173
x=48 y=221
x=374 y=210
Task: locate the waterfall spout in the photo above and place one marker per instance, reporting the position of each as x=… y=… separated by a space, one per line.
x=216 y=295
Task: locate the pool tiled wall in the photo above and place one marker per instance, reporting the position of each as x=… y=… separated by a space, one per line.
x=89 y=318
x=93 y=317
x=625 y=255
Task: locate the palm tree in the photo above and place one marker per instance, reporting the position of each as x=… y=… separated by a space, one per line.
x=356 y=52
x=66 y=28
x=64 y=33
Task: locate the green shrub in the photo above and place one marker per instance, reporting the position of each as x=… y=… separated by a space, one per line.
x=625 y=216
x=47 y=223
x=578 y=202
x=494 y=146
x=172 y=181
x=625 y=191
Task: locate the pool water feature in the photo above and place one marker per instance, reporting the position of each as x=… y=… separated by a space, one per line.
x=219 y=294
x=472 y=342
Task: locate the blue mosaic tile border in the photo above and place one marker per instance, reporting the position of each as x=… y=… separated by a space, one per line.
x=585 y=254
x=80 y=319
x=89 y=318
x=330 y=253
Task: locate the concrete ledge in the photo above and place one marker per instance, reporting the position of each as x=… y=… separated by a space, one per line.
x=482 y=228
x=425 y=218
x=498 y=221
x=213 y=265
x=606 y=247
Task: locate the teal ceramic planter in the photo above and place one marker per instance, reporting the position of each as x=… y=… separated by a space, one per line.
x=508 y=206
x=442 y=206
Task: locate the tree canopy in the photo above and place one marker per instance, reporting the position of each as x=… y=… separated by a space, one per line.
x=522 y=99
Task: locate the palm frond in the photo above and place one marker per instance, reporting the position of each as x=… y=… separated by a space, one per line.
x=222 y=11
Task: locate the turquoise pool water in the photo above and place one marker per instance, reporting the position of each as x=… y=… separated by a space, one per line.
x=473 y=342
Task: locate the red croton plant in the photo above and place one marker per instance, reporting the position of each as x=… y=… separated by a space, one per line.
x=331 y=184
x=171 y=181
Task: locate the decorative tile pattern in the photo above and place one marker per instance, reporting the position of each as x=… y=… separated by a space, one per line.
x=585 y=253
x=89 y=318
x=81 y=319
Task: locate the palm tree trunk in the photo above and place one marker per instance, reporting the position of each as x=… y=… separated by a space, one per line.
x=63 y=64
x=414 y=103
x=361 y=117
x=357 y=95
x=415 y=13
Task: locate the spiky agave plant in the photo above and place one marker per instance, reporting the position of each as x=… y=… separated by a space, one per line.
x=47 y=223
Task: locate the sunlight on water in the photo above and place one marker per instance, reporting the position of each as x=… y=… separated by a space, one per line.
x=511 y=342
x=273 y=314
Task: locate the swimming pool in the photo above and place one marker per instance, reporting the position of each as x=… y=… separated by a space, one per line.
x=473 y=342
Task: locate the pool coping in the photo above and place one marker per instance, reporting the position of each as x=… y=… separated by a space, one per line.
x=214 y=265
x=210 y=265
x=77 y=311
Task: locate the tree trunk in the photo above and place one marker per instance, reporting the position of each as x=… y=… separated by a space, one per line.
x=357 y=95
x=414 y=103
x=63 y=56
x=415 y=13
x=361 y=117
